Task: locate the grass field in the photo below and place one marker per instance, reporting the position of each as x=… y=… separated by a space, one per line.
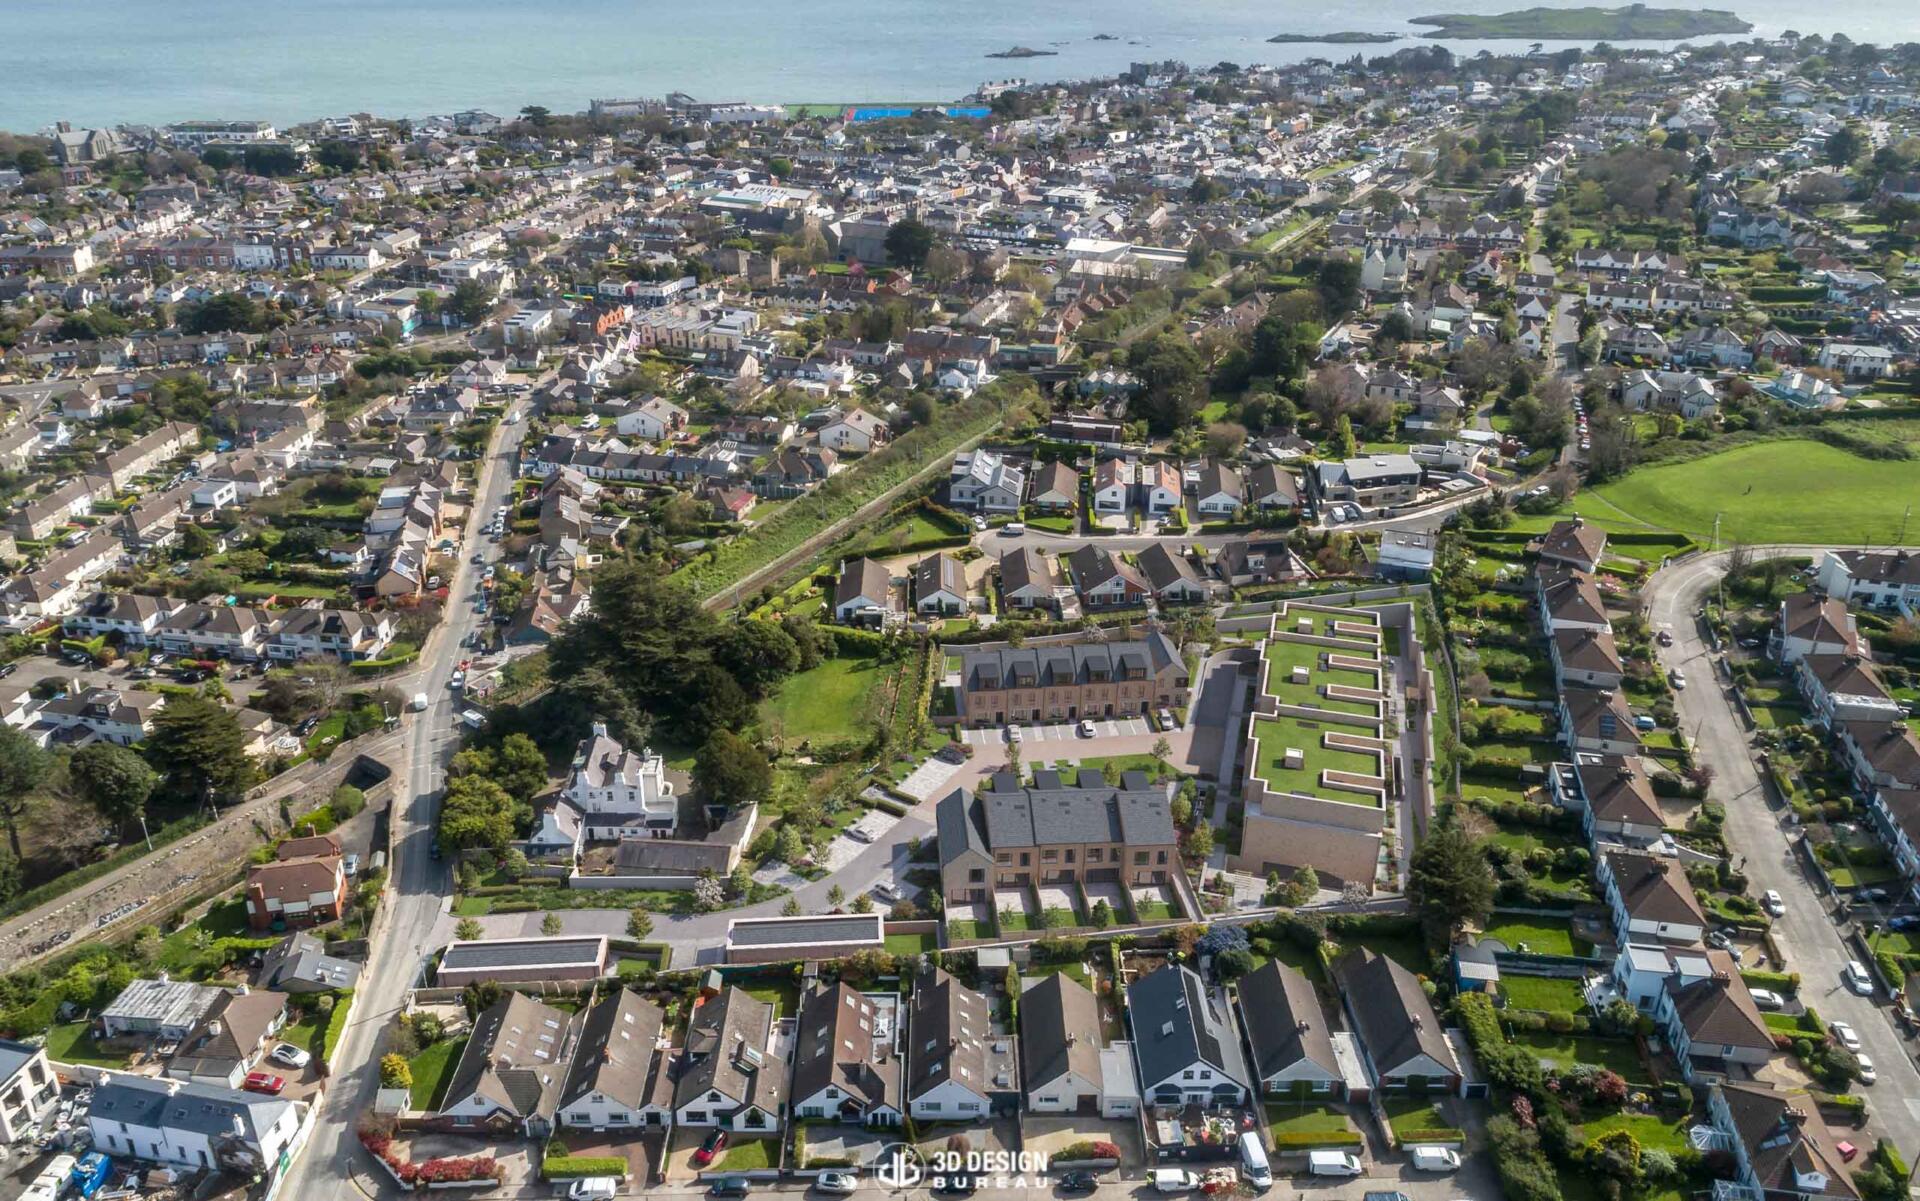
x=1653 y=1132
x=827 y=703
x=72 y=1043
x=1311 y=1117
x=1761 y=493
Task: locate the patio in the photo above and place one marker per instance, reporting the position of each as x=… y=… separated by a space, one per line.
x=1155 y=902
x=1057 y=899
x=1112 y=893
x=1015 y=909
x=844 y=1144
x=1047 y=1136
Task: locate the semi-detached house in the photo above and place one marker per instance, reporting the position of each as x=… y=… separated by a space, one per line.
x=620 y=1077
x=958 y=1069
x=730 y=1075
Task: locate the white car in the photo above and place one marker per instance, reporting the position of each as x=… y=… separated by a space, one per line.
x=1856 y=978
x=1771 y=902
x=840 y=1184
x=593 y=1188
x=1013 y=734
x=290 y=1055
x=1086 y=728
x=1867 y=1074
x=1845 y=1035
x=1679 y=679
x=1767 y=998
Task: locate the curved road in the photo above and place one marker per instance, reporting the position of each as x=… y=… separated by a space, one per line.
x=1757 y=832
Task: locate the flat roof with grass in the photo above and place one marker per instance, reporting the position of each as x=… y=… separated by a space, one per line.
x=1275 y=736
x=1284 y=660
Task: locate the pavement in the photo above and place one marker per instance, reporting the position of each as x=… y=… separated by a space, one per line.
x=420 y=886
x=1808 y=937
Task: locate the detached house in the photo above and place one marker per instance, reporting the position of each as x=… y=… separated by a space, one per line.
x=1401 y=1041
x=864 y=594
x=729 y=1075
x=1712 y=1025
x=985 y=482
x=1184 y=1041
x=1573 y=544
x=1813 y=625
x=620 y=1077
x=620 y=793
x=230 y=1040
x=1292 y=1044
x=1779 y=1144
x=846 y=1065
x=1650 y=898
x=510 y=1073
x=856 y=431
x=1104 y=580
x=958 y=1070
x=1064 y=1066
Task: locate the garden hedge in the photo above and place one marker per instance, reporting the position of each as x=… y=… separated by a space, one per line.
x=569 y=1167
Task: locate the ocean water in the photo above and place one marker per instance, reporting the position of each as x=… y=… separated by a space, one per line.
x=154 y=61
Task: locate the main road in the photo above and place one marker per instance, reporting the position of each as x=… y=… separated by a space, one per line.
x=419 y=886
x=1757 y=833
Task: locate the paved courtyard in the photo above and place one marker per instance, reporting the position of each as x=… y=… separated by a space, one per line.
x=924 y=782
x=1103 y=727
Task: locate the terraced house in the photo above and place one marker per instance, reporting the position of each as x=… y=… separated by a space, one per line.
x=1065 y=682
x=1059 y=831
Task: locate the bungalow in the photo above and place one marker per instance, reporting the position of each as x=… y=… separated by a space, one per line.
x=1220 y=492
x=846 y=1065
x=1271 y=488
x=1064 y=1068
x=1027 y=580
x=1104 y=580
x=1171 y=576
x=1401 y=1040
x=958 y=1070
x=620 y=1076
x=1184 y=1041
x=729 y=1075
x=1054 y=487
x=865 y=594
x=509 y=1074
x=1258 y=561
x=939 y=586
x=230 y=1039
x=1679 y=392
x=1650 y=898
x=1292 y=1043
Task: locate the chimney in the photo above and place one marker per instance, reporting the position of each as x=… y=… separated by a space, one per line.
x=599 y=729
x=213 y=1028
x=1303 y=1025
x=1418 y=1023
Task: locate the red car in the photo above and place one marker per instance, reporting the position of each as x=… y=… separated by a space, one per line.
x=264 y=1082
x=710 y=1148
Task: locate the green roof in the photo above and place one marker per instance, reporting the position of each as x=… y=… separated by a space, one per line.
x=1276 y=734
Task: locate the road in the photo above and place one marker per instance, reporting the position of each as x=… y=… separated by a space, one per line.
x=1807 y=934
x=419 y=887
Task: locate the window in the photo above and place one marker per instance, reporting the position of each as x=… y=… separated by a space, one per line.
x=1187 y=1075
x=1069 y=855
x=1094 y=854
x=1049 y=856
x=1163 y=857
x=976 y=876
x=1026 y=858
x=1140 y=858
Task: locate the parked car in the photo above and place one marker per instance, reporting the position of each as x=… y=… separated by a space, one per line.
x=1013 y=733
x=290 y=1055
x=1679 y=679
x=1664 y=637
x=1855 y=977
x=1867 y=1073
x=264 y=1082
x=710 y=1147
x=1874 y=896
x=1770 y=900
x=1079 y=1181
x=1166 y=720
x=1719 y=940
x=351 y=865
x=1906 y=921
x=1767 y=998
x=1086 y=728
x=838 y=1184
x=1845 y=1035
x=593 y=1188
x=729 y=1186
x=1174 y=1180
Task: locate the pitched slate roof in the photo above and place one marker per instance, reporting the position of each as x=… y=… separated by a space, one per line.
x=1089 y=809
x=1284 y=1022
x=716 y=1035
x=1618 y=791
x=1786 y=1140
x=1178 y=1023
x=1396 y=1020
x=950 y=1037
x=617 y=1053
x=1059 y=1032
x=1654 y=888
x=515 y=1058
x=1719 y=1010
x=844 y=1040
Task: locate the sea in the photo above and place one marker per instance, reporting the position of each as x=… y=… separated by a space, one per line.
x=103 y=62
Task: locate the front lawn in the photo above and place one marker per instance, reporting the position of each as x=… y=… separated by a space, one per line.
x=911 y=944
x=749 y=1155
x=432 y=1068
x=1309 y=1124
x=966 y=928
x=1418 y=1120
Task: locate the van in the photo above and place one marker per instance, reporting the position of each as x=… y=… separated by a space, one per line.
x=419 y=702
x=1013 y=529
x=593 y=1188
x=1332 y=1163
x=1253 y=1162
x=1174 y=1180
x=1434 y=1159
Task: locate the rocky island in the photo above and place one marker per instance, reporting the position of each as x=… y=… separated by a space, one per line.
x=1024 y=52
x=1635 y=22
x=1346 y=37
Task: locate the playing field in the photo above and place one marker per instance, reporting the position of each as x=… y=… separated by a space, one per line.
x=1793 y=491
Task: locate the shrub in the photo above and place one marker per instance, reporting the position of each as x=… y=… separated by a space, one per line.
x=568 y=1167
